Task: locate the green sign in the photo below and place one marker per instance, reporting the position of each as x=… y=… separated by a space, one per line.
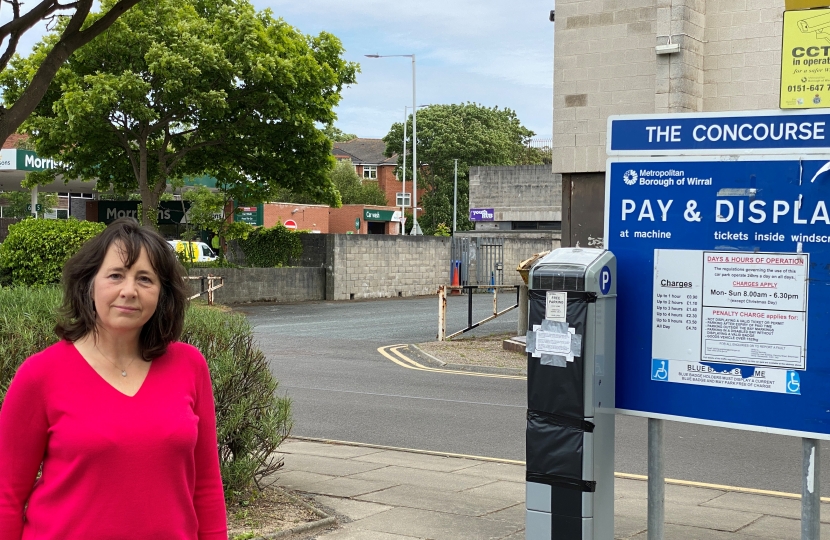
x=252 y=215
x=357 y=223
x=38 y=208
x=169 y=212
x=29 y=161
x=378 y=215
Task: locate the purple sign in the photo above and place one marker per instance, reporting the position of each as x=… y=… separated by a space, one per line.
x=482 y=214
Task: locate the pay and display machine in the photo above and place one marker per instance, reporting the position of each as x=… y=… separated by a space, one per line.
x=570 y=396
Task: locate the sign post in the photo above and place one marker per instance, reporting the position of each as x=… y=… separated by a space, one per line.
x=721 y=228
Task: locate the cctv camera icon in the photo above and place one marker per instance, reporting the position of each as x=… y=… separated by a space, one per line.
x=817 y=24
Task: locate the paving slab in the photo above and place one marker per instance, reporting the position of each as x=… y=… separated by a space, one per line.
x=327 y=465
x=293 y=446
x=779 y=528
x=748 y=502
x=497 y=471
x=681 y=532
x=708 y=517
x=418 y=461
x=517 y=536
x=436 y=500
x=423 y=478
x=500 y=489
x=348 y=533
x=347 y=487
x=350 y=508
x=436 y=525
x=627 y=526
x=298 y=480
x=513 y=514
x=638 y=489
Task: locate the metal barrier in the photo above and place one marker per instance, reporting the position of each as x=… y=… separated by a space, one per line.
x=442 y=307
x=210 y=278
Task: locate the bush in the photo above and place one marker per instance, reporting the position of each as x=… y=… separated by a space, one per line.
x=36 y=249
x=269 y=248
x=252 y=420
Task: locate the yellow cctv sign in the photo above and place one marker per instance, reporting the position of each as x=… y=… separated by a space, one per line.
x=805 y=60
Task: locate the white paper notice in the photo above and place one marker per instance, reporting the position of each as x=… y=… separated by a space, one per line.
x=556 y=306
x=553 y=343
x=730 y=308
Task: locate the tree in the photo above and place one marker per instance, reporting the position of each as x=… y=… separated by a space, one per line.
x=207 y=213
x=471 y=133
x=185 y=87
x=75 y=33
x=17 y=203
x=337 y=135
x=352 y=189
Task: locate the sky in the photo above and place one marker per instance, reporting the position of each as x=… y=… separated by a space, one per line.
x=491 y=52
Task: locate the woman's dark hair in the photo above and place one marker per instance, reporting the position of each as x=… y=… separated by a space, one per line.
x=77 y=313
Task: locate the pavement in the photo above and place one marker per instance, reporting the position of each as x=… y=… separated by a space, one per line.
x=383 y=493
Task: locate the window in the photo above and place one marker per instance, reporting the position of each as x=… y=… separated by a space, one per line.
x=370 y=172
x=403 y=199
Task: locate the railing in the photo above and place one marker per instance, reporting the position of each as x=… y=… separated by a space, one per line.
x=442 y=307
x=210 y=279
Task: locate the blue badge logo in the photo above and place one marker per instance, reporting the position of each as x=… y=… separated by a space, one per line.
x=793 y=383
x=659 y=370
x=605 y=280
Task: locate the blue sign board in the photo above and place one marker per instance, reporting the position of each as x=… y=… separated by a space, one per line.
x=759 y=133
x=482 y=214
x=723 y=273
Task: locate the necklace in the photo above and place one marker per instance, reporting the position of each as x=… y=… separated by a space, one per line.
x=123 y=371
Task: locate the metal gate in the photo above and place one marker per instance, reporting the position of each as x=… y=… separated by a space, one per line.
x=490 y=262
x=480 y=260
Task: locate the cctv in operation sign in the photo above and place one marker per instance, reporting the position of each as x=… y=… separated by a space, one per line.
x=723 y=263
x=805 y=59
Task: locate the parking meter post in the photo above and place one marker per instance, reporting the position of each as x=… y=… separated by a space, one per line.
x=571 y=315
x=469 y=307
x=810 y=496
x=442 y=312
x=656 y=480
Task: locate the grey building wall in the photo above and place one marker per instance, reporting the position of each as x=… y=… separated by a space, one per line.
x=605 y=64
x=265 y=284
x=77 y=208
x=517 y=193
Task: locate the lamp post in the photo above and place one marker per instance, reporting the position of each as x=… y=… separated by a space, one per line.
x=416 y=229
x=403 y=180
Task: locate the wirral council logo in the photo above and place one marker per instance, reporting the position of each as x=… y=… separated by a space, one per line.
x=630 y=177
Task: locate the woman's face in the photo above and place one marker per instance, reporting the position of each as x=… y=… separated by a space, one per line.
x=125 y=298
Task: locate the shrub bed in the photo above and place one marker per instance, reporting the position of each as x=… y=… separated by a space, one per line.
x=252 y=420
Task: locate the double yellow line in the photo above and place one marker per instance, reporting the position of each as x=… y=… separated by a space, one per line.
x=393 y=353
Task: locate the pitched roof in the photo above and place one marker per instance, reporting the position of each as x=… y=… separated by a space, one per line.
x=368 y=151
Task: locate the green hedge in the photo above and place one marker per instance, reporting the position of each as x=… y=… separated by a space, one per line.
x=252 y=420
x=35 y=250
x=269 y=248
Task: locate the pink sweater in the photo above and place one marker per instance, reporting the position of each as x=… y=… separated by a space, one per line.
x=114 y=467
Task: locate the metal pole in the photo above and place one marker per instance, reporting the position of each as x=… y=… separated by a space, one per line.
x=469 y=307
x=656 y=480
x=523 y=305
x=455 y=196
x=442 y=312
x=403 y=202
x=34 y=202
x=810 y=497
x=416 y=229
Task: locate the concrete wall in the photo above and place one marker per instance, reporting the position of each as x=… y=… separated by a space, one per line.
x=517 y=248
x=605 y=64
x=265 y=284
x=379 y=266
x=517 y=193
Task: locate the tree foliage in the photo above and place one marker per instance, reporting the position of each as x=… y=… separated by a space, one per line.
x=352 y=189
x=76 y=30
x=186 y=87
x=207 y=213
x=337 y=135
x=17 y=203
x=471 y=133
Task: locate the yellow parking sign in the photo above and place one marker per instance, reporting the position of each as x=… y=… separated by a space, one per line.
x=805 y=59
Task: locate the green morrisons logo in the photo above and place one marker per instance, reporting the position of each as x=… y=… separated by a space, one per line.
x=31 y=161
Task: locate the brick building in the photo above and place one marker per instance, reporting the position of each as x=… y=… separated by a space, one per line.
x=311 y=217
x=372 y=166
x=606 y=63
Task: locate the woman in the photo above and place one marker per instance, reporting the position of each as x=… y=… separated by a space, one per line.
x=118 y=413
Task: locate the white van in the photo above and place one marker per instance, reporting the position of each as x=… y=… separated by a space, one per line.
x=193 y=251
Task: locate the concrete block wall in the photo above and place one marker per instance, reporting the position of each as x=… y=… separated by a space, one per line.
x=379 y=266
x=517 y=249
x=517 y=193
x=265 y=284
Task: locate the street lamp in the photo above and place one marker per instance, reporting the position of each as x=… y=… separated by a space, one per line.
x=403 y=179
x=416 y=229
